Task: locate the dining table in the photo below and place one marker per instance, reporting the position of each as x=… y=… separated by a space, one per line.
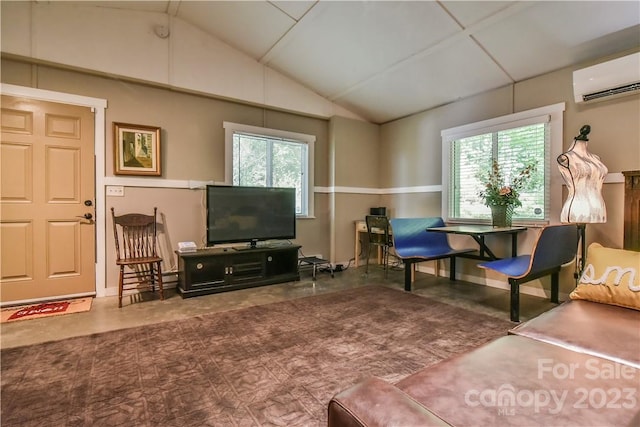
x=479 y=232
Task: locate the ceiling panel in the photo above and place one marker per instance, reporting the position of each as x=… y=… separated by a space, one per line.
x=295 y=9
x=469 y=13
x=252 y=27
x=340 y=44
x=388 y=59
x=552 y=35
x=436 y=79
x=147 y=6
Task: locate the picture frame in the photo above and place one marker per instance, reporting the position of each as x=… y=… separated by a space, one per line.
x=136 y=149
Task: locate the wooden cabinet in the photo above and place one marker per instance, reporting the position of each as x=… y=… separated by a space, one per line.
x=210 y=271
x=632 y=210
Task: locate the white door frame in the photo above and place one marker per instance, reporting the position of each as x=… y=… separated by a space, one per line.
x=98 y=105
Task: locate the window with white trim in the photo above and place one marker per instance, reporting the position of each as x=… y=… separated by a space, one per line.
x=512 y=141
x=262 y=157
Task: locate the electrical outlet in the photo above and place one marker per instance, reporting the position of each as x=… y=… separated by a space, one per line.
x=115 y=190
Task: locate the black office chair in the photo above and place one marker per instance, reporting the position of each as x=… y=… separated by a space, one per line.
x=378 y=229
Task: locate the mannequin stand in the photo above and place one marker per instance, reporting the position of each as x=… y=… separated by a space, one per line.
x=582 y=228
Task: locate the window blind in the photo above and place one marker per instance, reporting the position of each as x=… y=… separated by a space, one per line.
x=513 y=148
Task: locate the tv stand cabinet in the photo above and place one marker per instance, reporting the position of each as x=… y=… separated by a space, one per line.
x=209 y=271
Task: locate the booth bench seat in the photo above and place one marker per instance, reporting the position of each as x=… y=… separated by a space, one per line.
x=414 y=244
x=555 y=246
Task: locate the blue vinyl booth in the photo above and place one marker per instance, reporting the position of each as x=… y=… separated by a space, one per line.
x=556 y=245
x=414 y=244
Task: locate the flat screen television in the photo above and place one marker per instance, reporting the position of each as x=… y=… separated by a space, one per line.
x=250 y=214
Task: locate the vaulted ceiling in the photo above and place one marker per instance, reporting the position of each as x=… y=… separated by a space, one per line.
x=389 y=59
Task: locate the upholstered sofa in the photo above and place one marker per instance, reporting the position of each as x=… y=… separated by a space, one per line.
x=577 y=364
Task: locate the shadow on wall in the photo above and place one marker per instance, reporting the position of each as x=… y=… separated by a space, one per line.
x=165 y=246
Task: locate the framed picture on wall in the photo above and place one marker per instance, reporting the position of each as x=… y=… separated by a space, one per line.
x=137 y=149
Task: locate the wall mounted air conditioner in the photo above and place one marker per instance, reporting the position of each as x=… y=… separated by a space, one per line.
x=609 y=79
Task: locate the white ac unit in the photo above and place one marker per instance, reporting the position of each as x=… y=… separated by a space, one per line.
x=609 y=79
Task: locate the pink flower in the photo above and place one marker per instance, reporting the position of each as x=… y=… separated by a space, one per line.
x=505 y=190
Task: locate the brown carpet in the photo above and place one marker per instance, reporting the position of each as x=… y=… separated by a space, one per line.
x=277 y=364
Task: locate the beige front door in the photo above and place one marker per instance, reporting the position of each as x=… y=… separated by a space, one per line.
x=47 y=200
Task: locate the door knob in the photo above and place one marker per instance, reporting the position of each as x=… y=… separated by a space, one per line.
x=85 y=216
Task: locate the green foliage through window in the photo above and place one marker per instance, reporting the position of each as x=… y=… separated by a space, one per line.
x=513 y=149
x=261 y=161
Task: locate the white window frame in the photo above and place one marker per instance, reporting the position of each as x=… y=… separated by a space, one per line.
x=553 y=190
x=230 y=128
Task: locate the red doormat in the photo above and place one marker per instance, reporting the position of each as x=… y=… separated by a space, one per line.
x=35 y=311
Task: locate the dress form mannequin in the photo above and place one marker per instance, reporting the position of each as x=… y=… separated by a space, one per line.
x=584 y=174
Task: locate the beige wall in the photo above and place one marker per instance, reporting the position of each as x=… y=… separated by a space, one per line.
x=411 y=147
x=354 y=161
x=412 y=150
x=192 y=149
x=180 y=218
x=357 y=165
x=92 y=38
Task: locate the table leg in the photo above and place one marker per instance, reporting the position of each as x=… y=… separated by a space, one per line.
x=357 y=247
x=515 y=300
x=555 y=287
x=408 y=270
x=483 y=247
x=514 y=244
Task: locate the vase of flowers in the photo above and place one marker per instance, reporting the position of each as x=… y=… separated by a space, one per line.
x=503 y=197
x=501 y=215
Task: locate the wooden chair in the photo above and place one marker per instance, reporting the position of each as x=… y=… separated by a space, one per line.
x=414 y=244
x=556 y=245
x=379 y=237
x=136 y=251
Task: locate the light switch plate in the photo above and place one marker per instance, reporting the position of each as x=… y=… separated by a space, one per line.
x=115 y=190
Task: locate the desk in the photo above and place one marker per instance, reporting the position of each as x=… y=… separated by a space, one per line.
x=478 y=233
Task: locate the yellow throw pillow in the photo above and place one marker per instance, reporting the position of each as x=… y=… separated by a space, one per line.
x=611 y=276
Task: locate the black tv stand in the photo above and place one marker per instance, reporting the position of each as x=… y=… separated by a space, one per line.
x=209 y=271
